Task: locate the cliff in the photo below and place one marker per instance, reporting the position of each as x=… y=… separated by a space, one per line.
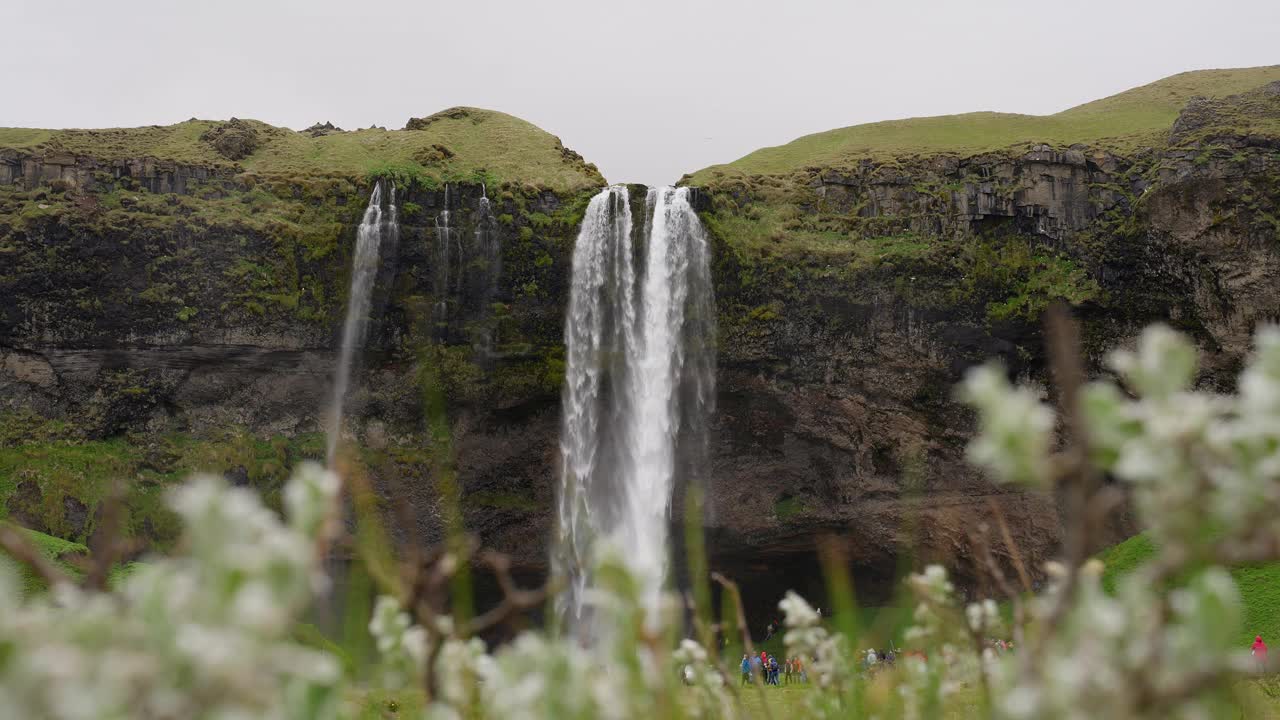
x=855 y=289
x=170 y=299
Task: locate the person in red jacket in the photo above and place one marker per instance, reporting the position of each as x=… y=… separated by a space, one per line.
x=1259 y=652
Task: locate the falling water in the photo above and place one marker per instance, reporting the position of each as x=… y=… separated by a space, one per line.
x=444 y=235
x=364 y=268
x=639 y=385
x=484 y=265
x=486 y=240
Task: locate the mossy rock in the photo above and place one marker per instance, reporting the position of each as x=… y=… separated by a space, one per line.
x=234 y=139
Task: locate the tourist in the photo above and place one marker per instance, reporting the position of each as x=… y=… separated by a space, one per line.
x=799 y=668
x=1259 y=652
x=786 y=671
x=746 y=669
x=773 y=670
x=757 y=667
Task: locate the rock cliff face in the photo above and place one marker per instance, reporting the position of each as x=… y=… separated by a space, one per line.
x=852 y=299
x=158 y=316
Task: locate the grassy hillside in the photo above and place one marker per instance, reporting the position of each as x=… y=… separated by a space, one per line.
x=57 y=550
x=456 y=144
x=1259 y=587
x=1128 y=120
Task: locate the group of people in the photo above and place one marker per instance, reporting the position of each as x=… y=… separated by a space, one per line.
x=875 y=658
x=1000 y=645
x=774 y=673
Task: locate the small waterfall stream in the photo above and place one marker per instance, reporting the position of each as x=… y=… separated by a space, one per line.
x=485 y=266
x=639 y=385
x=374 y=227
x=444 y=237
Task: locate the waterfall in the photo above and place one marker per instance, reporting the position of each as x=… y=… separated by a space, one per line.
x=485 y=265
x=364 y=268
x=486 y=246
x=639 y=386
x=444 y=235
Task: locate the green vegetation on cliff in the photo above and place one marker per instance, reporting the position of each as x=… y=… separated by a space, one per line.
x=1128 y=120
x=53 y=480
x=456 y=145
x=780 y=244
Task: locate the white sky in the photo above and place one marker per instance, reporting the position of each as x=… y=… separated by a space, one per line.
x=646 y=90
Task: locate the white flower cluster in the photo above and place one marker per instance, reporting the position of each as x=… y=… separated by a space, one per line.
x=627 y=672
x=198 y=636
x=695 y=667
x=1111 y=656
x=1015 y=429
x=830 y=663
x=401 y=644
x=1194 y=459
x=950 y=662
x=1204 y=470
x=933 y=592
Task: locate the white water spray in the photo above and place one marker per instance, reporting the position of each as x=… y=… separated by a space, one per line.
x=374 y=227
x=639 y=384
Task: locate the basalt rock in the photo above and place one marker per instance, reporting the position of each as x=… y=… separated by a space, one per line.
x=51 y=169
x=321 y=129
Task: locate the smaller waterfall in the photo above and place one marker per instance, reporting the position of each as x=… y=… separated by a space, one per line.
x=484 y=263
x=444 y=238
x=486 y=241
x=364 y=269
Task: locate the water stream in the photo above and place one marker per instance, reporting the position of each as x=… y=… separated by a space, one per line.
x=444 y=237
x=374 y=228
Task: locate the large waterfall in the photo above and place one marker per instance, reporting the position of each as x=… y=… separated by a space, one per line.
x=374 y=228
x=639 y=386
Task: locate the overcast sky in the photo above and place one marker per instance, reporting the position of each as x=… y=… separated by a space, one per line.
x=646 y=90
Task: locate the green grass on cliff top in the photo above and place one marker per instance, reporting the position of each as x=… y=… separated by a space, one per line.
x=1259 y=586
x=1131 y=119
x=484 y=144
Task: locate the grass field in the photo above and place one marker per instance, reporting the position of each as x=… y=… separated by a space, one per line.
x=1259 y=587
x=478 y=145
x=1131 y=119
x=57 y=550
